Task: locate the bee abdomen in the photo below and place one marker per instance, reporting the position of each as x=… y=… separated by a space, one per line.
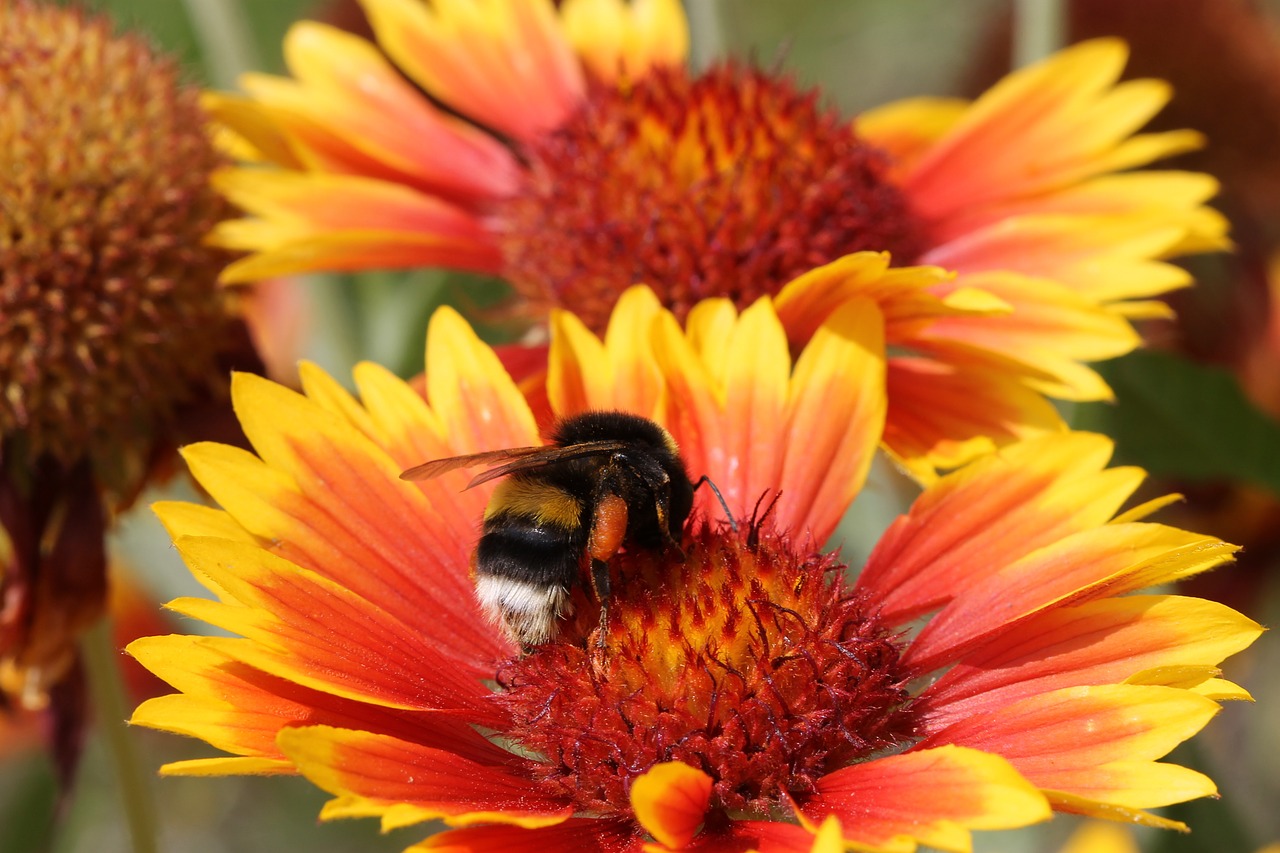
x=523 y=575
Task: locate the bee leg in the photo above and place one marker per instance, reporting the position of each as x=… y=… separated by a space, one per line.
x=600 y=586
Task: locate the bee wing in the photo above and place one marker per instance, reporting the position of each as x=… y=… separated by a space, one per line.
x=436 y=467
x=548 y=456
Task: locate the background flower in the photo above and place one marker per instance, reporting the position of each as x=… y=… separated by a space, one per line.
x=730 y=182
x=114 y=334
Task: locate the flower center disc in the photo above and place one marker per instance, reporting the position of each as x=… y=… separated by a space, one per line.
x=759 y=667
x=730 y=184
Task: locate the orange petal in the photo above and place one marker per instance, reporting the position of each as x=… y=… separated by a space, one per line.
x=991 y=513
x=931 y=796
x=405 y=783
x=834 y=420
x=1103 y=642
x=300 y=627
x=670 y=801
x=1098 y=743
x=695 y=417
x=623 y=39
x=346 y=85
x=1040 y=128
x=943 y=414
x=619 y=373
x=1102 y=258
x=778 y=837
x=476 y=56
x=907 y=129
x=254 y=128
x=240 y=709
x=1051 y=330
x=903 y=295
x=479 y=405
x=1085 y=566
x=576 y=834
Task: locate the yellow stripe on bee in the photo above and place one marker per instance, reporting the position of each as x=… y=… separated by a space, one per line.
x=672 y=447
x=543 y=503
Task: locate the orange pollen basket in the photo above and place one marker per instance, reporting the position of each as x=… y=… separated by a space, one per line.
x=729 y=184
x=743 y=658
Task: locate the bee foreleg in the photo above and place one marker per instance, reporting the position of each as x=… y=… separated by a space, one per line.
x=600 y=585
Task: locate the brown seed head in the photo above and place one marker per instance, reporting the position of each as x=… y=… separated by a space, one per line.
x=110 y=314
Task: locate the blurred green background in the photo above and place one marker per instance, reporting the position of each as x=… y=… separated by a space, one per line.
x=1182 y=414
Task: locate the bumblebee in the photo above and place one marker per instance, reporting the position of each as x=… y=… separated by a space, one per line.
x=607 y=480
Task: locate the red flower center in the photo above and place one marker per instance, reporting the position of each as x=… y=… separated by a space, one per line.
x=743 y=659
x=730 y=184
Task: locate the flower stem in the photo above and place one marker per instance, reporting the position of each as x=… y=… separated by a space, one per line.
x=706 y=33
x=1039 y=28
x=106 y=690
x=225 y=38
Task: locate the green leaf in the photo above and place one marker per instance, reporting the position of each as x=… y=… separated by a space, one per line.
x=1178 y=418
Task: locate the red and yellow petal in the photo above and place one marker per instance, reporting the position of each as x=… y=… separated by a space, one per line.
x=905 y=296
x=344 y=92
x=1095 y=744
x=618 y=373
x=623 y=39
x=753 y=425
x=478 y=404
x=473 y=56
x=1051 y=331
x=943 y=414
x=332 y=501
x=405 y=783
x=303 y=628
x=906 y=130
x=927 y=796
x=1103 y=258
x=1169 y=198
x=991 y=513
x=302 y=222
x=1054 y=123
x=1102 y=642
x=835 y=417
x=577 y=834
x=1084 y=566
x=670 y=801
x=240 y=709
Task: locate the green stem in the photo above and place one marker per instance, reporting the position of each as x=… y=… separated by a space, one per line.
x=1039 y=28
x=106 y=691
x=706 y=33
x=226 y=40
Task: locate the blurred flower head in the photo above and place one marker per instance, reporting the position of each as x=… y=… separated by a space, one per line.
x=738 y=692
x=112 y=318
x=114 y=331
x=571 y=152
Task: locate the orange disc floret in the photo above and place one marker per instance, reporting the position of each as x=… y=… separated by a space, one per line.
x=731 y=183
x=747 y=659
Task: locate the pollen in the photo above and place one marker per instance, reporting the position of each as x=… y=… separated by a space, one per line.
x=743 y=658
x=729 y=184
x=110 y=315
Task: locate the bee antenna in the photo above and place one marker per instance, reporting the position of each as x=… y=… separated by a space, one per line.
x=727 y=514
